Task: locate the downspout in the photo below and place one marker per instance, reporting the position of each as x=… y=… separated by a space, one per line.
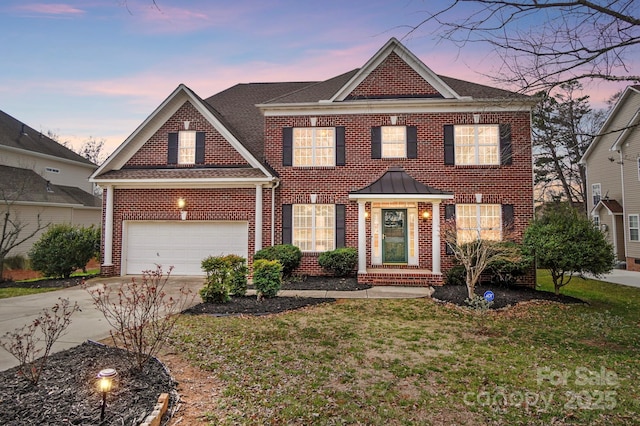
x=624 y=210
x=273 y=211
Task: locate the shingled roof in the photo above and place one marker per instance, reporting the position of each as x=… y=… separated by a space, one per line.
x=16 y=134
x=28 y=186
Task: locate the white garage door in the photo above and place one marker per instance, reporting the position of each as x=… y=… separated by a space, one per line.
x=182 y=245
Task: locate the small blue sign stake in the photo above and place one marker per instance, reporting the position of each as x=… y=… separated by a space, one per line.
x=488 y=296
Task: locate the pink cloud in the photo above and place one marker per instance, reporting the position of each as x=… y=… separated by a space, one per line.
x=51 y=9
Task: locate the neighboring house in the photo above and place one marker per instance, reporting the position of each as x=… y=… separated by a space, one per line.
x=613 y=178
x=376 y=158
x=43 y=180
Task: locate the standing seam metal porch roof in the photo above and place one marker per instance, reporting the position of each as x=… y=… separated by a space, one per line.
x=397 y=181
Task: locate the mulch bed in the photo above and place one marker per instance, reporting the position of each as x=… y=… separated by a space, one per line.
x=504 y=296
x=67 y=392
x=45 y=283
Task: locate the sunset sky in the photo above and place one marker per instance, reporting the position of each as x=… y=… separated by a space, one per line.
x=98 y=68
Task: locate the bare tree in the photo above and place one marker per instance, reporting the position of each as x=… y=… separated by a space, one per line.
x=545 y=43
x=478 y=254
x=564 y=126
x=91 y=149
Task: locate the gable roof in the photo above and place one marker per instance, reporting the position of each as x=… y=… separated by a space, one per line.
x=617 y=108
x=25 y=185
x=14 y=134
x=613 y=206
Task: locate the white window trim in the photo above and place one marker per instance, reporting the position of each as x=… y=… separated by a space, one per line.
x=314 y=147
x=478 y=227
x=596 y=221
x=383 y=142
x=637 y=227
x=313 y=228
x=639 y=168
x=477 y=145
x=593 y=193
x=182 y=148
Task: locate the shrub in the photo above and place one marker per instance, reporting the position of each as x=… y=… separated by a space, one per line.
x=142 y=314
x=288 y=255
x=217 y=287
x=63 y=249
x=457 y=275
x=238 y=269
x=24 y=344
x=267 y=277
x=506 y=273
x=340 y=262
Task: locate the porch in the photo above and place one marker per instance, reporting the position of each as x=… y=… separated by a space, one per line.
x=411 y=277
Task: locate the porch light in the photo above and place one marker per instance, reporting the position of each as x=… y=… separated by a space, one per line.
x=426 y=215
x=366 y=215
x=181 y=205
x=105 y=384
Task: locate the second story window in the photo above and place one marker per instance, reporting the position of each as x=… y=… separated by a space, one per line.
x=477 y=145
x=596 y=192
x=186 y=147
x=314 y=147
x=394 y=142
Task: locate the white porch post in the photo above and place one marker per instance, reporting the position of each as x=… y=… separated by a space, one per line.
x=435 y=237
x=362 y=239
x=108 y=228
x=258 y=218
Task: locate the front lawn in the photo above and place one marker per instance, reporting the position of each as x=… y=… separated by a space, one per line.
x=366 y=361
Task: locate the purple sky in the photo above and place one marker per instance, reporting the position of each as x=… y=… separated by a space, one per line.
x=98 y=68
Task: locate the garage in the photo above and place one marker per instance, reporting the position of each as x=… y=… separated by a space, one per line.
x=182 y=245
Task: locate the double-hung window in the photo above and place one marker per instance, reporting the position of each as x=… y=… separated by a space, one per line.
x=314 y=227
x=393 y=141
x=596 y=192
x=477 y=144
x=186 y=147
x=314 y=147
x=478 y=221
x=634 y=228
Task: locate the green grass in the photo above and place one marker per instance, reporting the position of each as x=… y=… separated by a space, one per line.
x=22 y=291
x=404 y=362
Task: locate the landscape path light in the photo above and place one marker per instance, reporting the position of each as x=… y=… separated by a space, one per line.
x=105 y=384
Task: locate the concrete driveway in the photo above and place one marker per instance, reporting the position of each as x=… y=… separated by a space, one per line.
x=88 y=324
x=623 y=277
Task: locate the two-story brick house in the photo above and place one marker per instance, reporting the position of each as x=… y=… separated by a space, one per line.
x=376 y=158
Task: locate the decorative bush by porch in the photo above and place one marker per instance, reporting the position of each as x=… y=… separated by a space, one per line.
x=267 y=277
x=288 y=255
x=340 y=262
x=226 y=276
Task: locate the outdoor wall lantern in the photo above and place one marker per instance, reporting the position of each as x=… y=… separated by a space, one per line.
x=105 y=384
x=366 y=215
x=181 y=205
x=426 y=215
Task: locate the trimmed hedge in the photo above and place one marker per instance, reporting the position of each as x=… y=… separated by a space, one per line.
x=267 y=277
x=288 y=255
x=340 y=262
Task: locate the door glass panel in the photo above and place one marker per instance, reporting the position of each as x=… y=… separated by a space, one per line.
x=394 y=231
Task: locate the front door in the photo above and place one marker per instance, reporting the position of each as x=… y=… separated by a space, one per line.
x=394 y=236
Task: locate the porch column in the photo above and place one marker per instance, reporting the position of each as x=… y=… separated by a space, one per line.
x=108 y=228
x=258 y=218
x=435 y=237
x=362 y=238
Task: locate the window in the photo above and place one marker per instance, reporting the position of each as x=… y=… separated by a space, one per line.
x=186 y=147
x=596 y=192
x=478 y=221
x=394 y=142
x=596 y=221
x=51 y=170
x=314 y=227
x=477 y=144
x=314 y=146
x=638 y=168
x=634 y=228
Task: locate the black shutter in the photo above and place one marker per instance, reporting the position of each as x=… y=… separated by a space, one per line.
x=340 y=225
x=449 y=145
x=449 y=214
x=412 y=142
x=287 y=222
x=340 y=151
x=199 y=147
x=287 y=146
x=172 y=151
x=505 y=144
x=507 y=216
x=376 y=142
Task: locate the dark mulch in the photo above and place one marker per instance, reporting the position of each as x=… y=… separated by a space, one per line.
x=504 y=296
x=67 y=391
x=249 y=305
x=324 y=283
x=46 y=283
